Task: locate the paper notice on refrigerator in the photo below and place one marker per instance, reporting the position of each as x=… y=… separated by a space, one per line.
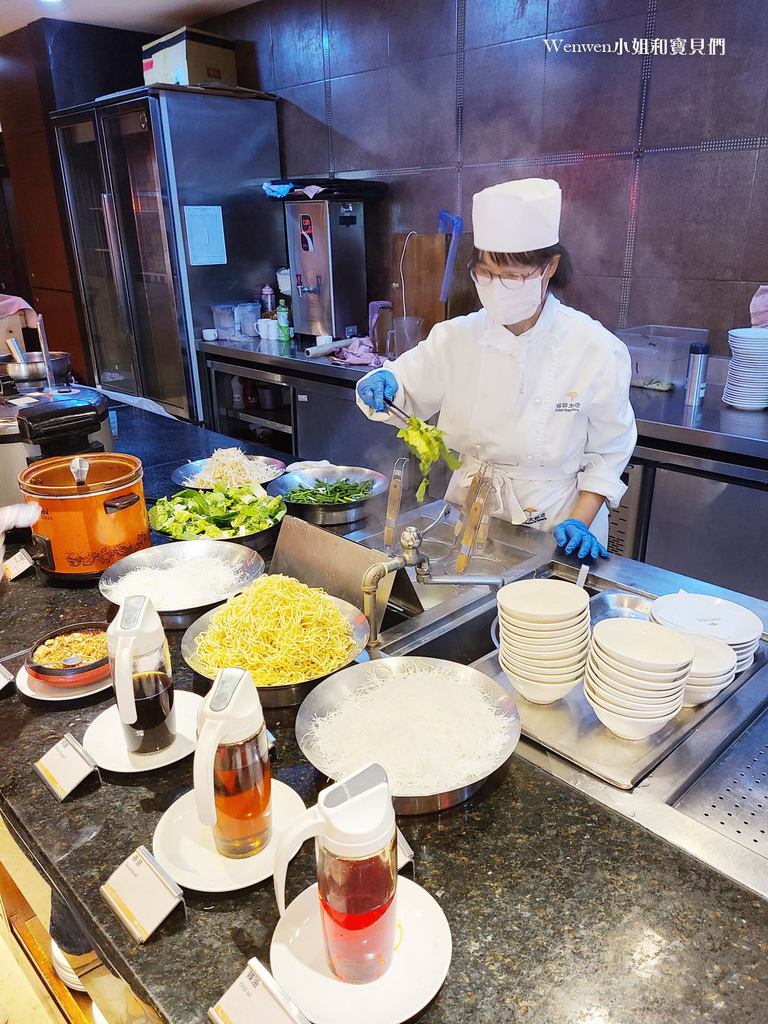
x=205 y=236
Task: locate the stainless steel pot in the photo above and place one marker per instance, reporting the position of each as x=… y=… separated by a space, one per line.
x=32 y=370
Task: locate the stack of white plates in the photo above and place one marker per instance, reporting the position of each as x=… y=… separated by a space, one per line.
x=740 y=628
x=636 y=676
x=713 y=668
x=746 y=386
x=543 y=637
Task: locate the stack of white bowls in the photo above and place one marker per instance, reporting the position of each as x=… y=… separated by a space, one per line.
x=746 y=386
x=713 y=668
x=636 y=676
x=724 y=620
x=543 y=637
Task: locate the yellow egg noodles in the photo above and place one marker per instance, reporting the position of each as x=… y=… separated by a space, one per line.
x=281 y=630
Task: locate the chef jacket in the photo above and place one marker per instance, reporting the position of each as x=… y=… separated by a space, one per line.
x=549 y=407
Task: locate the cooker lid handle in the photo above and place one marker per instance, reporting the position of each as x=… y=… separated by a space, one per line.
x=79 y=469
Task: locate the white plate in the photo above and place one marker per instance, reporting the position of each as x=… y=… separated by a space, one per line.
x=105 y=742
x=419 y=965
x=712 y=616
x=186 y=849
x=713 y=657
x=24 y=684
x=64 y=970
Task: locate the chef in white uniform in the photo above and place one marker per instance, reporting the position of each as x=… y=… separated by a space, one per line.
x=533 y=386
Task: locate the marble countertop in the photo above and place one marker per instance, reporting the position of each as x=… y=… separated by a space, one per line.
x=560 y=910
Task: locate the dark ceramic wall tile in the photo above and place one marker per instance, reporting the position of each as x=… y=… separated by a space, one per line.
x=303 y=132
x=475 y=179
x=422 y=113
x=598 y=297
x=251 y=29
x=297 y=43
x=567 y=14
x=591 y=99
x=418 y=29
x=755 y=263
x=693 y=98
x=357 y=36
x=679 y=303
x=499 y=21
x=503 y=94
x=596 y=197
x=360 y=121
x=417 y=199
x=692 y=214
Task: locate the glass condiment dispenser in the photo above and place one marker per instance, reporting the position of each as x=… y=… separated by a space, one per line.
x=141 y=672
x=231 y=770
x=356 y=852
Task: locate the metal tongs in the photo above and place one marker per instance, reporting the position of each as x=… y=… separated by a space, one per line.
x=396 y=410
x=472 y=527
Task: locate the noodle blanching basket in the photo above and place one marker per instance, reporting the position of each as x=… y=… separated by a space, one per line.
x=341 y=684
x=282 y=694
x=239 y=556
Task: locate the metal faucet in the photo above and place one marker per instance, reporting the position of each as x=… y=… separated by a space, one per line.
x=410 y=542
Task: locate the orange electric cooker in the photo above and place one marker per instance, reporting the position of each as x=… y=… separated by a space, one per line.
x=93 y=512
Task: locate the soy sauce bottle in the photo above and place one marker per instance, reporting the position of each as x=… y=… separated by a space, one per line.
x=141 y=672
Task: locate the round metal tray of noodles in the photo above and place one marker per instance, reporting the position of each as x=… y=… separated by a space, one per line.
x=329 y=513
x=248 y=564
x=280 y=695
x=416 y=718
x=184 y=475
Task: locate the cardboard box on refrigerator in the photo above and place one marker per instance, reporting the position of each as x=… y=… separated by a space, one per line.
x=190 y=57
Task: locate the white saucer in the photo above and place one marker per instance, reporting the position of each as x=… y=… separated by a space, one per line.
x=186 y=849
x=41 y=691
x=62 y=967
x=105 y=742
x=419 y=966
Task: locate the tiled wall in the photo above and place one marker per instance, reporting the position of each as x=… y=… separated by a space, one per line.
x=663 y=160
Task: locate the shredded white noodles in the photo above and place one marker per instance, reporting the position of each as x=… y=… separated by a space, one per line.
x=180 y=583
x=231 y=466
x=432 y=731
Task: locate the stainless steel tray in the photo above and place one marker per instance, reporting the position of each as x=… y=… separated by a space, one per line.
x=184 y=474
x=570 y=728
x=329 y=693
x=284 y=694
x=238 y=555
x=332 y=513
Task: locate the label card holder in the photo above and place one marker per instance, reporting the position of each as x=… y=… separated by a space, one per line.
x=141 y=894
x=255 y=996
x=65 y=766
x=404 y=853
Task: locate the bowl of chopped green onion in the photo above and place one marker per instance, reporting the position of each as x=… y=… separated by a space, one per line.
x=329 y=495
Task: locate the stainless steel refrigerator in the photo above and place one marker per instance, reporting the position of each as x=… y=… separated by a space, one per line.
x=168 y=217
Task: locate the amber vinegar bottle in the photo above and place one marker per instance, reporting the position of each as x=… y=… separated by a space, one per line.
x=231 y=769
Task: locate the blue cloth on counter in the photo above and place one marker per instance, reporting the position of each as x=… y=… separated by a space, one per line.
x=275 y=190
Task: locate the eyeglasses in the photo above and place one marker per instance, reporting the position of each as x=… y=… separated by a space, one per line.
x=513 y=282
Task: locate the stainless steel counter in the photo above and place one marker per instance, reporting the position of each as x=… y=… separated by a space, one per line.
x=295 y=364
x=663 y=416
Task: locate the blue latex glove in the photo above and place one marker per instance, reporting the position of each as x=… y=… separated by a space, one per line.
x=572 y=534
x=374 y=389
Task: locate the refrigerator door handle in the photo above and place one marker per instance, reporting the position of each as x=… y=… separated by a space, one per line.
x=110 y=223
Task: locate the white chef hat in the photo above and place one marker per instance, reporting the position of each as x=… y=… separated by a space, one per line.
x=517 y=216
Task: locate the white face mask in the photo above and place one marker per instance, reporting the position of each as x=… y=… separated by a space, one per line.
x=510 y=307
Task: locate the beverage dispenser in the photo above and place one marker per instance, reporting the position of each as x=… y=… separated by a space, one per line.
x=329 y=238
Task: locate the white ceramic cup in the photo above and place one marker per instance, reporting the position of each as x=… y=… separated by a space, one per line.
x=210 y=334
x=262 y=326
x=273 y=330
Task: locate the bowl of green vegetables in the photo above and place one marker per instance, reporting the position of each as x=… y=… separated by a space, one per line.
x=246 y=515
x=329 y=495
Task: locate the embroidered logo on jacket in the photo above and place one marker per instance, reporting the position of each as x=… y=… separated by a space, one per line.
x=532 y=516
x=570 y=405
